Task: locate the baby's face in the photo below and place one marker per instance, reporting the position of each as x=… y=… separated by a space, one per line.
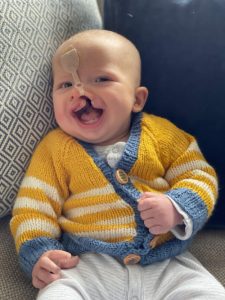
x=100 y=112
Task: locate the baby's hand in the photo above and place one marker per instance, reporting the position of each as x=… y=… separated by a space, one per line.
x=158 y=213
x=47 y=268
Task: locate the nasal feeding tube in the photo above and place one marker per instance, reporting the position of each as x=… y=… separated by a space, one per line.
x=70 y=62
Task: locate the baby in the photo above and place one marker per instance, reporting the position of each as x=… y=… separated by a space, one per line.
x=124 y=190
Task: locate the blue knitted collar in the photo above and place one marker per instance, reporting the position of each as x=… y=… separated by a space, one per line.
x=130 y=152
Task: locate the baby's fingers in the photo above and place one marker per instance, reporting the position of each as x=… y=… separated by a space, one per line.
x=37 y=283
x=49 y=265
x=146 y=214
x=43 y=278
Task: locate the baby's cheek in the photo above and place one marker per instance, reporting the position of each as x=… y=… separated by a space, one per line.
x=59 y=114
x=59 y=117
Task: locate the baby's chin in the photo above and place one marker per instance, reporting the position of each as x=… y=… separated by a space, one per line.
x=107 y=142
x=96 y=141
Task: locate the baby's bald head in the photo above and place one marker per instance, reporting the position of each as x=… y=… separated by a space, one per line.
x=116 y=46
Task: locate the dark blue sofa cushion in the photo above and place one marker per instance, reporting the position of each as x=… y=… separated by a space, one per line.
x=182 y=44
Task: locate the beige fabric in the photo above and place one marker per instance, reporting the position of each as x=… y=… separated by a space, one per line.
x=208 y=247
x=13 y=283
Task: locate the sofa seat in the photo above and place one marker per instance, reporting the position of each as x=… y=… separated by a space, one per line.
x=208 y=247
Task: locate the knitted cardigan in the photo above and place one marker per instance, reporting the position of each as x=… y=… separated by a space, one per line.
x=70 y=198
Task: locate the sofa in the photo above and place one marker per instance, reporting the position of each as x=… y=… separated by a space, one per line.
x=31 y=30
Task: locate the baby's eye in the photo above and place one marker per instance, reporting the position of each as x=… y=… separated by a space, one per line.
x=102 y=79
x=66 y=85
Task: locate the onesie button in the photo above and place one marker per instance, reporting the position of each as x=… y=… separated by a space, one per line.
x=132 y=259
x=121 y=176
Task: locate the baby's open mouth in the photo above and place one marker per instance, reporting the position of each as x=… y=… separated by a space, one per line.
x=88 y=114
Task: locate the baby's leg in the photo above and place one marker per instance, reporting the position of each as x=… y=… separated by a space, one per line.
x=96 y=277
x=65 y=289
x=182 y=277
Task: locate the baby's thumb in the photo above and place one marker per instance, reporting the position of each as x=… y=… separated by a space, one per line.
x=56 y=255
x=69 y=262
x=63 y=259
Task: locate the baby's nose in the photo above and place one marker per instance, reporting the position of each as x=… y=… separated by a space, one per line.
x=80 y=88
x=77 y=91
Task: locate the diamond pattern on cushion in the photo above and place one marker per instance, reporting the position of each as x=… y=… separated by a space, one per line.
x=31 y=30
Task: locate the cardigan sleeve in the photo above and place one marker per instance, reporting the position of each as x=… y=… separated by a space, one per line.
x=193 y=182
x=38 y=205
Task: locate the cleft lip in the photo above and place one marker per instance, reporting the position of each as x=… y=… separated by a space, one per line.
x=85 y=104
x=85 y=107
x=82 y=102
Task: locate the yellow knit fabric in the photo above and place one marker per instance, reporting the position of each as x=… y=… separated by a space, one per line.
x=64 y=190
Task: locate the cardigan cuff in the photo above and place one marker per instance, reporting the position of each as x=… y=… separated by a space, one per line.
x=191 y=204
x=32 y=250
x=182 y=232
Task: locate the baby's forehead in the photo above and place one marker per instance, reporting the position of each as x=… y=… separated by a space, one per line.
x=101 y=48
x=102 y=40
x=98 y=51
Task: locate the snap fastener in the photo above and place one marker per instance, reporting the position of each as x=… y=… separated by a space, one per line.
x=131 y=259
x=121 y=176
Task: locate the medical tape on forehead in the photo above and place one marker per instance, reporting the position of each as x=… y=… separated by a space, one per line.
x=70 y=62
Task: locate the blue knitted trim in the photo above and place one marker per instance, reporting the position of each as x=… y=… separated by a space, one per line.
x=32 y=250
x=78 y=245
x=127 y=192
x=130 y=152
x=191 y=203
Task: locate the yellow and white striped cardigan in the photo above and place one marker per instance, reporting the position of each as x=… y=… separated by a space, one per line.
x=69 y=189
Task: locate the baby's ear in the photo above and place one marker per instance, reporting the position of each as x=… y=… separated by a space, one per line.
x=141 y=95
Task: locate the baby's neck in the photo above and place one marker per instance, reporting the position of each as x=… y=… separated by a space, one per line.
x=122 y=138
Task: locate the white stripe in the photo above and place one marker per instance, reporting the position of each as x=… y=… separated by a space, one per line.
x=157 y=183
x=193 y=147
x=208 y=176
x=106 y=190
x=201 y=184
x=38 y=224
x=40 y=207
x=49 y=190
x=119 y=220
x=109 y=234
x=180 y=169
x=82 y=211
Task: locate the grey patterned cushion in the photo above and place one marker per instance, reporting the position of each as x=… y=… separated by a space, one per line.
x=30 y=32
